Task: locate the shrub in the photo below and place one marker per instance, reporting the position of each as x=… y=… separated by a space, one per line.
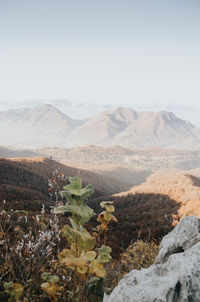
x=139 y=254
x=83 y=258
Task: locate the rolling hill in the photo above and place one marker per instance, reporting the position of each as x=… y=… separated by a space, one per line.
x=147 y=211
x=180 y=186
x=151 y=210
x=24 y=181
x=121 y=166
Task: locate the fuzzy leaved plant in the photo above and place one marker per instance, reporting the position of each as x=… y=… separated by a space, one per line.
x=82 y=256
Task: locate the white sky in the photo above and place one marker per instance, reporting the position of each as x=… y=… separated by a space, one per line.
x=114 y=52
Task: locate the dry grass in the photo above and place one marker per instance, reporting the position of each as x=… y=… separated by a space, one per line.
x=139 y=254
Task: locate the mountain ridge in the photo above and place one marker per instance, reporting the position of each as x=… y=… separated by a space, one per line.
x=46 y=126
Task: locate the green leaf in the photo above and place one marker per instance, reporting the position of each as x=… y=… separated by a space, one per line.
x=71 y=198
x=50 y=278
x=80 y=214
x=74 y=191
x=108 y=205
x=75 y=184
x=60 y=210
x=73 y=223
x=84 y=240
x=90 y=255
x=104 y=254
x=8 y=285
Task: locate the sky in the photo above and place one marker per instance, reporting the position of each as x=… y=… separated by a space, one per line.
x=100 y=51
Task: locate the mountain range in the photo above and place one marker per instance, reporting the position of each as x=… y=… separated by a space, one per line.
x=83 y=110
x=46 y=126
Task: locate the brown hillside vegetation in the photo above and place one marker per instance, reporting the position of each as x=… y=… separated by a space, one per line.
x=140 y=216
x=182 y=187
x=146 y=211
x=27 y=179
x=121 y=166
x=152 y=209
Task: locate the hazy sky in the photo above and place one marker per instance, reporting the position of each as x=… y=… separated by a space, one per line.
x=106 y=51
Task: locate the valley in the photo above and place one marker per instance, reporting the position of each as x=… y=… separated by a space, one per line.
x=146 y=163
x=148 y=209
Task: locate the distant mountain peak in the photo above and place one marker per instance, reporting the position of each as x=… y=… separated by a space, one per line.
x=48 y=108
x=45 y=125
x=123 y=110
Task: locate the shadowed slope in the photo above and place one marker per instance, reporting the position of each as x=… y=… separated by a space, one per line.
x=178 y=185
x=152 y=209
x=140 y=216
x=27 y=179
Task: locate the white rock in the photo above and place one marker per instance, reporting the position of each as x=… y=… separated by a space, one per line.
x=175 y=275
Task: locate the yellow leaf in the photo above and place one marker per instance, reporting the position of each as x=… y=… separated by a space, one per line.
x=75 y=261
x=51 y=289
x=17 y=291
x=66 y=253
x=114 y=218
x=107 y=216
x=97 y=269
x=90 y=255
x=82 y=270
x=108 y=205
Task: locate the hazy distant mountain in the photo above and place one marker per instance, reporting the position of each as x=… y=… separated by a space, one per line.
x=184 y=112
x=82 y=110
x=124 y=126
x=46 y=126
x=35 y=127
x=76 y=110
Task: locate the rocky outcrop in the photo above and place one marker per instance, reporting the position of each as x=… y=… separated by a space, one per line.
x=175 y=275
